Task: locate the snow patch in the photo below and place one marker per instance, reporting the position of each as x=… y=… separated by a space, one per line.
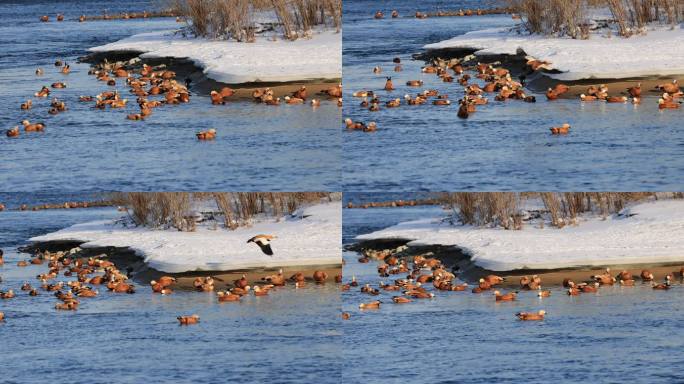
x=644 y=233
x=319 y=57
x=658 y=53
x=311 y=236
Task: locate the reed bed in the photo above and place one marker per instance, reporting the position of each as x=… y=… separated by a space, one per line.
x=484 y=208
x=236 y=19
x=165 y=210
x=570 y=17
x=503 y=209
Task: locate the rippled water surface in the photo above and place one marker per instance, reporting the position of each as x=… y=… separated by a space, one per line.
x=504 y=145
x=290 y=336
x=83 y=149
x=630 y=333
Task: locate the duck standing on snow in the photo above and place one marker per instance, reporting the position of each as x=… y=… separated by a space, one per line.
x=264 y=242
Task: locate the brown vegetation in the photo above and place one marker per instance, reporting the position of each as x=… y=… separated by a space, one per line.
x=569 y=17
x=503 y=209
x=234 y=19
x=173 y=209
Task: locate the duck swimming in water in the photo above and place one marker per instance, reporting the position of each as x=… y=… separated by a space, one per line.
x=224 y=297
x=389 y=86
x=463 y=111
x=44 y=92
x=662 y=286
x=36 y=127
x=206 y=135
x=511 y=296
x=531 y=316
x=562 y=130
x=667 y=104
x=188 y=320
x=371 y=305
x=14 y=132
x=617 y=99
x=401 y=300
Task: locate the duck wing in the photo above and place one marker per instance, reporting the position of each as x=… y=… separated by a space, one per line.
x=265 y=248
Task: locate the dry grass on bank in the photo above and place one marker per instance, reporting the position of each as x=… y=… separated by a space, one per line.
x=174 y=209
x=503 y=209
x=236 y=19
x=570 y=17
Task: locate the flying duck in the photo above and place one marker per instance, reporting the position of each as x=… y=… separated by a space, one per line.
x=264 y=242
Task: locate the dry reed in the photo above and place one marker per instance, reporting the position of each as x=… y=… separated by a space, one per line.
x=569 y=17
x=503 y=209
x=174 y=209
x=236 y=19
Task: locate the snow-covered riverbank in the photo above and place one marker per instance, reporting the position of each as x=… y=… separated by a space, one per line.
x=318 y=57
x=645 y=233
x=312 y=236
x=658 y=53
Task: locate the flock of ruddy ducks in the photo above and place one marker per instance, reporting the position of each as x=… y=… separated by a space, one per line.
x=122 y=16
x=160 y=81
x=148 y=82
x=421 y=270
x=497 y=82
x=460 y=13
x=65 y=205
x=91 y=272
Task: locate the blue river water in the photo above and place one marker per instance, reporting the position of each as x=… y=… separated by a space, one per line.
x=504 y=145
x=290 y=336
x=287 y=148
x=621 y=333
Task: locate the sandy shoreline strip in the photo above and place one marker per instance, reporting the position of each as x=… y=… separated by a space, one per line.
x=616 y=87
x=265 y=60
x=126 y=260
x=467 y=271
x=225 y=279
x=203 y=85
x=540 y=82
